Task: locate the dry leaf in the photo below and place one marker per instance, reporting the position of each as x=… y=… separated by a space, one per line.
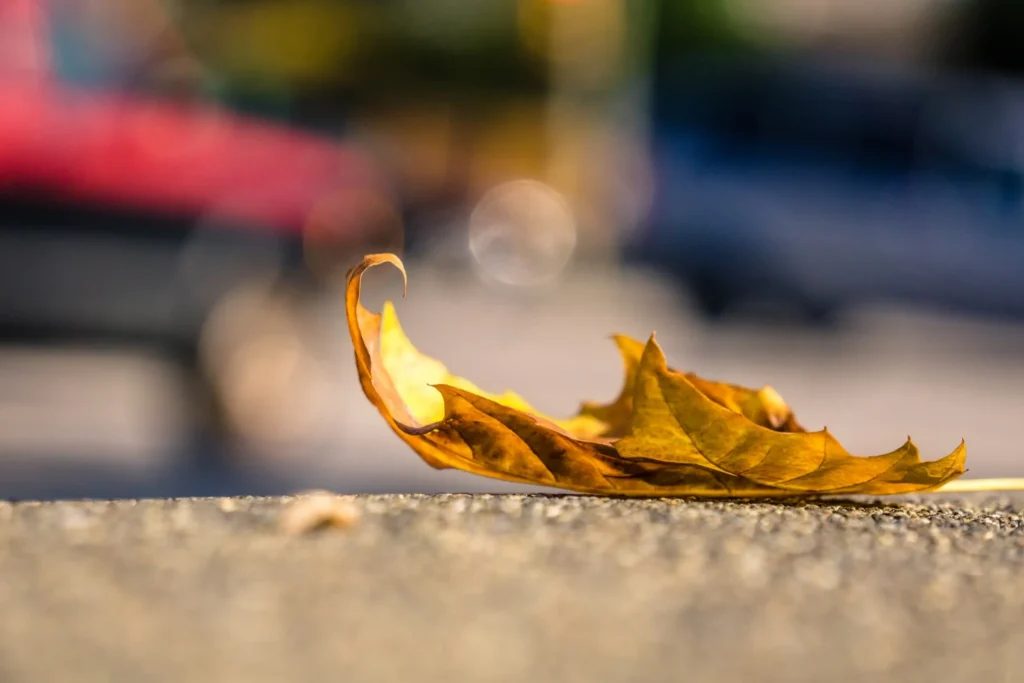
x=667 y=434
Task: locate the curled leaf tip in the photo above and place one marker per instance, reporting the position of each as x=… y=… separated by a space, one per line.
x=667 y=433
x=372 y=260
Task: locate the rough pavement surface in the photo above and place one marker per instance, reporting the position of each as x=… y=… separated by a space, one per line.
x=510 y=587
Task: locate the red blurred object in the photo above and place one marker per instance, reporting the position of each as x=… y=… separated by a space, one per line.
x=122 y=149
x=24 y=48
x=119 y=149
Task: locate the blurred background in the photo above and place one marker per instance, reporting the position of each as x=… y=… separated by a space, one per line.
x=824 y=196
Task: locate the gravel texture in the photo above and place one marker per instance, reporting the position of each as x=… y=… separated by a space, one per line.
x=509 y=587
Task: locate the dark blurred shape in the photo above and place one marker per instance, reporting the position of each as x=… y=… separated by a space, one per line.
x=985 y=36
x=829 y=183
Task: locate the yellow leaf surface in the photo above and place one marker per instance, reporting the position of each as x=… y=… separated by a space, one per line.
x=668 y=433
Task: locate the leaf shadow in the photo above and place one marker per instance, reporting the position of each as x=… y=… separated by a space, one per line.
x=791 y=502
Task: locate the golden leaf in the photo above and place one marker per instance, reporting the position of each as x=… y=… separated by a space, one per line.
x=667 y=433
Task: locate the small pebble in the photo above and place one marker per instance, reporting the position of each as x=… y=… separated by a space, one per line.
x=314 y=510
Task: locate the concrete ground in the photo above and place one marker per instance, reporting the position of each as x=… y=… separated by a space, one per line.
x=499 y=588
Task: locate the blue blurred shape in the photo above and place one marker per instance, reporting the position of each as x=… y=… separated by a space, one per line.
x=824 y=184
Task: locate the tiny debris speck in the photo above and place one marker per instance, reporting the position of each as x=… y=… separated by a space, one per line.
x=312 y=510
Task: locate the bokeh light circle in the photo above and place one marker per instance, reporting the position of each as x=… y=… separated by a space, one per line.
x=522 y=233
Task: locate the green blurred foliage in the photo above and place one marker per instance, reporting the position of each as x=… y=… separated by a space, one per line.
x=363 y=48
x=285 y=57
x=686 y=27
